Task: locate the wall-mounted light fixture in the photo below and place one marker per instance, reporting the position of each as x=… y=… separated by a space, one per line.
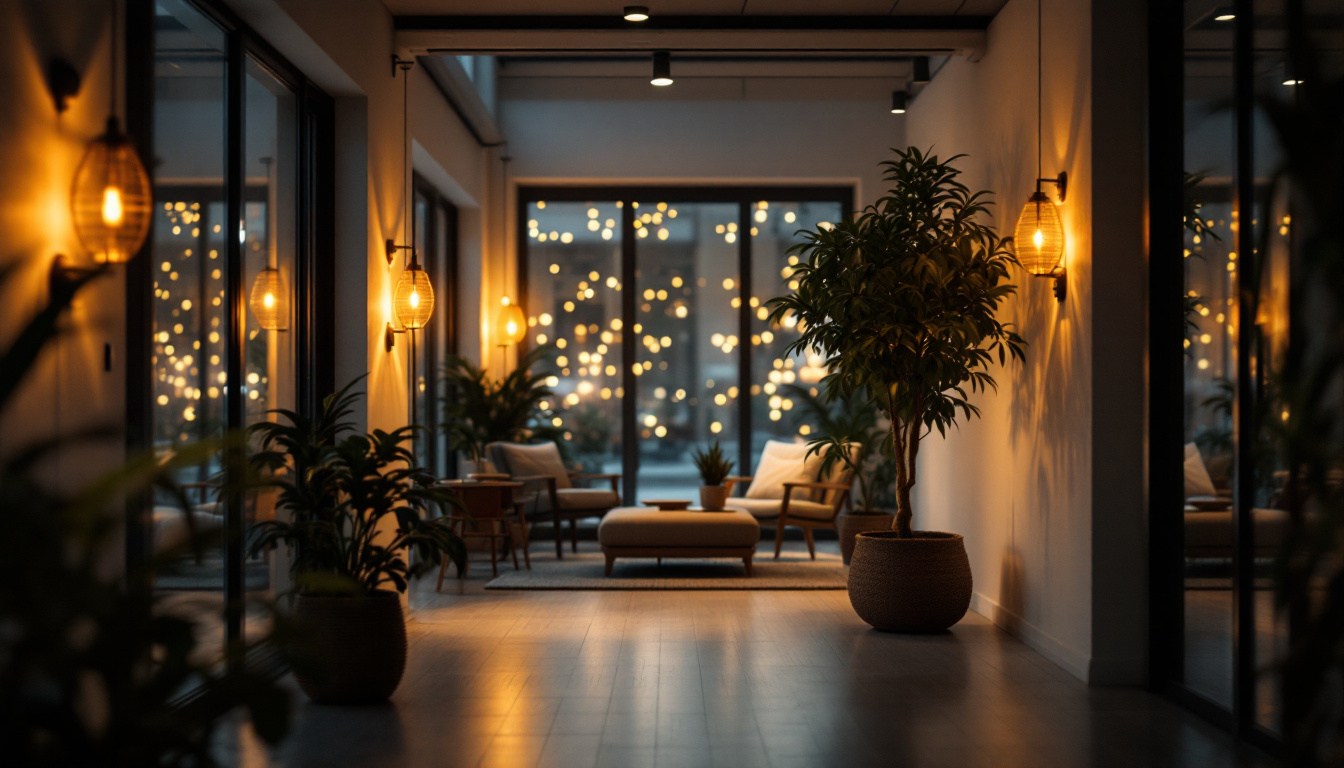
x=269 y=300
x=510 y=324
x=919 y=71
x=636 y=13
x=111 y=200
x=899 y=101
x=662 y=68
x=1039 y=236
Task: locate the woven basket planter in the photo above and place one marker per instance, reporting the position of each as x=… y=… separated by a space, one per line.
x=354 y=648
x=919 y=584
x=850 y=525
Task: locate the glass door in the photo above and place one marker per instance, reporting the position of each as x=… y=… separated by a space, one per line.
x=687 y=340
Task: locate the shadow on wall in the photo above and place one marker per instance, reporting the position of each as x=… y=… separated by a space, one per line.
x=72 y=36
x=1012 y=591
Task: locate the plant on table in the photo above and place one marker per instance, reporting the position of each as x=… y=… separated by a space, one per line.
x=902 y=299
x=479 y=410
x=359 y=521
x=714 y=470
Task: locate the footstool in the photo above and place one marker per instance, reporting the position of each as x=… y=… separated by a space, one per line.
x=644 y=532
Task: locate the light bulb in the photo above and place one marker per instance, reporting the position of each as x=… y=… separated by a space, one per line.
x=112 y=208
x=415 y=299
x=1038 y=240
x=268 y=300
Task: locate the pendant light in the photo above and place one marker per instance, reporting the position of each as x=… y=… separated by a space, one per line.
x=111 y=199
x=413 y=297
x=662 y=69
x=269 y=300
x=1039 y=236
x=510 y=323
x=899 y=100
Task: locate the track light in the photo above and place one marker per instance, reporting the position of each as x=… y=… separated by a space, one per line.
x=636 y=13
x=898 y=102
x=920 y=70
x=662 y=68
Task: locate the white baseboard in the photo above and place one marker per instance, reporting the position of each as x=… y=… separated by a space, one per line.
x=1073 y=661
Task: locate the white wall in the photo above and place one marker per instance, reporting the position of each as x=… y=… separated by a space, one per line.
x=813 y=140
x=69 y=390
x=1057 y=462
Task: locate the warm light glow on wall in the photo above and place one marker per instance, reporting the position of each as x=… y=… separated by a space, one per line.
x=111 y=199
x=270 y=300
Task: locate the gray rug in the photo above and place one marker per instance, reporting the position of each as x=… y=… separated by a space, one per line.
x=584 y=571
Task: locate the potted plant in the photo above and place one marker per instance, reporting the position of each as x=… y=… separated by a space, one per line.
x=714 y=469
x=902 y=299
x=357 y=507
x=849 y=430
x=479 y=410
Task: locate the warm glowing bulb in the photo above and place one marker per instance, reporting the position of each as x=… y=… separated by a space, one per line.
x=1038 y=239
x=268 y=300
x=112 y=208
x=415 y=299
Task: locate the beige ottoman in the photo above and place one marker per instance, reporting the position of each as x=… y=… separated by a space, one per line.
x=645 y=532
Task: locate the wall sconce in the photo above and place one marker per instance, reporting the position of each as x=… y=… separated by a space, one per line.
x=1039 y=236
x=270 y=300
x=111 y=198
x=510 y=325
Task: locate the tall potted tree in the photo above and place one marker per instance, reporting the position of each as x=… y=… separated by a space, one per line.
x=360 y=527
x=902 y=299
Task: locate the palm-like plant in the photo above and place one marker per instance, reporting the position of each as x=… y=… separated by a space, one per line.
x=850 y=431
x=338 y=486
x=479 y=410
x=902 y=299
x=713 y=465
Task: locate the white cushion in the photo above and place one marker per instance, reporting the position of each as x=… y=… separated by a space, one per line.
x=781 y=463
x=1197 y=480
x=768 y=509
x=597 y=499
x=539 y=459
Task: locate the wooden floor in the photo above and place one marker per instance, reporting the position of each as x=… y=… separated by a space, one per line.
x=629 y=679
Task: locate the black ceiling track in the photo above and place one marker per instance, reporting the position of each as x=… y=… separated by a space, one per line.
x=695 y=23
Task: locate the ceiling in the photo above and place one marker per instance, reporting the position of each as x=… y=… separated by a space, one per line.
x=697 y=7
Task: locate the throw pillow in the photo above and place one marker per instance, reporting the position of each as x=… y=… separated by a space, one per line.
x=780 y=463
x=539 y=459
x=1197 y=480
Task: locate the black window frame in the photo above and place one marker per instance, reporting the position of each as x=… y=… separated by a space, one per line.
x=745 y=196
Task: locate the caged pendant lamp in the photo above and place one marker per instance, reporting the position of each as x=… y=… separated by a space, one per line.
x=510 y=325
x=270 y=300
x=1039 y=236
x=111 y=199
x=413 y=301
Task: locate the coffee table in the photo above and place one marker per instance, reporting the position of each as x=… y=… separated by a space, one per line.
x=646 y=532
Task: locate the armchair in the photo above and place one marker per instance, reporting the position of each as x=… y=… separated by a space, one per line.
x=544 y=477
x=782 y=494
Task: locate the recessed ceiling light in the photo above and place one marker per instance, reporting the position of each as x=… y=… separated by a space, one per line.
x=636 y=13
x=662 y=68
x=1225 y=17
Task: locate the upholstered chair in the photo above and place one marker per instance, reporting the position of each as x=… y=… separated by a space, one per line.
x=787 y=491
x=547 y=482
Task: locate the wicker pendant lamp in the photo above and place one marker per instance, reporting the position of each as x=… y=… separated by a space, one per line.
x=1039 y=236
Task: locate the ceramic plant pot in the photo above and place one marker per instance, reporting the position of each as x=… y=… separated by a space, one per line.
x=849 y=525
x=919 y=584
x=352 y=649
x=713 y=497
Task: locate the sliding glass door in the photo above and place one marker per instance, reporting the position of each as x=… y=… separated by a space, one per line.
x=652 y=302
x=240 y=142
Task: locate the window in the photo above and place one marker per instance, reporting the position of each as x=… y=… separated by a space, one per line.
x=654 y=301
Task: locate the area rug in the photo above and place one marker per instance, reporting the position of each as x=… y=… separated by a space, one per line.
x=584 y=571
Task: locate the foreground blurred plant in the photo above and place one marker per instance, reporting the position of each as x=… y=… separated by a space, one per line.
x=89 y=669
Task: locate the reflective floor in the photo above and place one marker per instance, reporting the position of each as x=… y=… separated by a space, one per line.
x=740 y=679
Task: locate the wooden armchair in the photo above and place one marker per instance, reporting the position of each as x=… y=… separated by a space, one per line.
x=544 y=476
x=805 y=504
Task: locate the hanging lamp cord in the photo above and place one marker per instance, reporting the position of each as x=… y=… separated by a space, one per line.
x=112 y=33
x=1039 y=56
x=405 y=159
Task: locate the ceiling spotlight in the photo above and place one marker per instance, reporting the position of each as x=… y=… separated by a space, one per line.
x=662 y=68
x=636 y=13
x=898 y=100
x=920 y=70
x=1225 y=17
